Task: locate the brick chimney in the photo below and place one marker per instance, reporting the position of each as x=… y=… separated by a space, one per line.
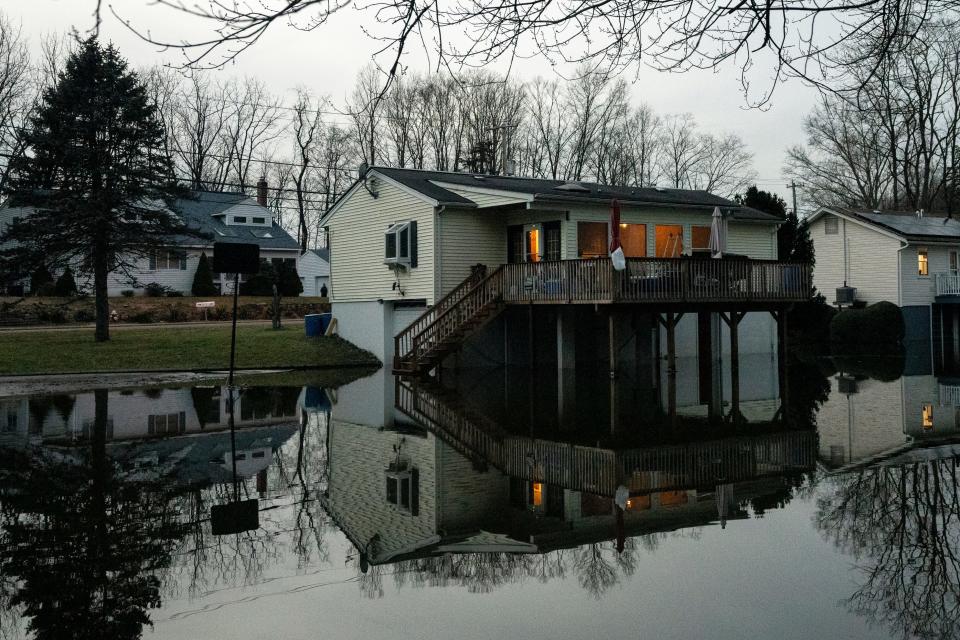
x=262 y=191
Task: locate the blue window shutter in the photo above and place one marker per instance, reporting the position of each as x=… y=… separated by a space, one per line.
x=153 y=261
x=183 y=261
x=413 y=244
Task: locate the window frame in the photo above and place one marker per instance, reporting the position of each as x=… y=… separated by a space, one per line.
x=923 y=262
x=258 y=220
x=239 y=220
x=402 y=238
x=831 y=225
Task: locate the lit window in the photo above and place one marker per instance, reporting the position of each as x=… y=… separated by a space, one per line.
x=926 y=413
x=923 y=265
x=701 y=238
x=669 y=240
x=400 y=244
x=831 y=225
x=533 y=245
x=537 y=494
x=633 y=240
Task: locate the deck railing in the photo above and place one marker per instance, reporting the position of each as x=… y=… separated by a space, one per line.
x=948 y=284
x=657 y=280
x=600 y=470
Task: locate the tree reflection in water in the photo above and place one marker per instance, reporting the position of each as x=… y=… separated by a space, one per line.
x=91 y=541
x=82 y=543
x=901 y=523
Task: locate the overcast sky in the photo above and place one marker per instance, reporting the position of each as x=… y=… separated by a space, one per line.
x=327 y=59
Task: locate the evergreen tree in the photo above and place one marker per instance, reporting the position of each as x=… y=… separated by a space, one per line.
x=793 y=236
x=66 y=285
x=95 y=175
x=203 y=279
x=40 y=280
x=288 y=281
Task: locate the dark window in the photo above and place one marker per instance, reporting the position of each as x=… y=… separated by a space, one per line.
x=258 y=220
x=831 y=225
x=591 y=239
x=400 y=244
x=240 y=219
x=515 y=244
x=551 y=243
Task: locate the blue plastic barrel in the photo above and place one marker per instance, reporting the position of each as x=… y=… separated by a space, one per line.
x=313 y=324
x=325 y=319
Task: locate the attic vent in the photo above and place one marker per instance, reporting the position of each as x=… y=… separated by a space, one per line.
x=572 y=186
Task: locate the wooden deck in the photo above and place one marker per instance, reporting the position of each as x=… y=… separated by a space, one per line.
x=669 y=284
x=656 y=281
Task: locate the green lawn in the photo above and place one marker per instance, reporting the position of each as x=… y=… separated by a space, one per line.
x=164 y=348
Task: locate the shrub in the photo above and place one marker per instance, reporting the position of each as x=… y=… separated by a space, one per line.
x=174 y=313
x=51 y=313
x=154 y=290
x=127 y=293
x=47 y=289
x=84 y=315
x=65 y=286
x=142 y=317
x=203 y=279
x=880 y=323
x=174 y=294
x=40 y=278
x=219 y=312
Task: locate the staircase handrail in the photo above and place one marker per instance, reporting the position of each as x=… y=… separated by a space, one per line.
x=473 y=293
x=434 y=313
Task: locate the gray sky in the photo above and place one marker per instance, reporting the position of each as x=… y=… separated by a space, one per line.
x=327 y=59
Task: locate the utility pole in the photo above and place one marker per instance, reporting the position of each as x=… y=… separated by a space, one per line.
x=793 y=187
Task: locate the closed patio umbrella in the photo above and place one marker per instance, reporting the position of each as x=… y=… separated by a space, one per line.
x=718 y=234
x=616 y=250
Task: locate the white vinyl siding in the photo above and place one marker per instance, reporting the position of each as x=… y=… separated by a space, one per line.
x=871 y=264
x=468 y=238
x=917 y=289
x=356 y=246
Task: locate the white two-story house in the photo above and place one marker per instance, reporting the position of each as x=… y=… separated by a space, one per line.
x=909 y=259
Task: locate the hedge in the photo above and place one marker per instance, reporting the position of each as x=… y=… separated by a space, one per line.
x=880 y=323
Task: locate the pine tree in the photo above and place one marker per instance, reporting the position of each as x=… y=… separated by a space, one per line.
x=66 y=285
x=95 y=175
x=40 y=280
x=203 y=279
x=793 y=236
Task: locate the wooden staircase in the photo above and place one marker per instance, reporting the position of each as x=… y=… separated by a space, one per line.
x=444 y=327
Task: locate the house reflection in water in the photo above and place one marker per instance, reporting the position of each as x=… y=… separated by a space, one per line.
x=444 y=473
x=867 y=420
x=178 y=431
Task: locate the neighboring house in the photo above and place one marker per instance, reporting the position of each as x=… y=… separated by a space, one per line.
x=224 y=216
x=401 y=239
x=314 y=269
x=909 y=259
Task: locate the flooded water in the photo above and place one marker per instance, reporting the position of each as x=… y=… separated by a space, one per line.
x=821 y=503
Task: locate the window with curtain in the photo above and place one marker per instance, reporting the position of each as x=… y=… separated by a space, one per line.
x=633 y=239
x=700 y=238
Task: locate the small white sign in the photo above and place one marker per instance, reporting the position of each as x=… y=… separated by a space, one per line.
x=206 y=305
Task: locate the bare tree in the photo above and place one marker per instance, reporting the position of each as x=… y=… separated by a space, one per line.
x=197 y=132
x=777 y=38
x=17 y=94
x=252 y=116
x=725 y=166
x=307 y=128
x=683 y=149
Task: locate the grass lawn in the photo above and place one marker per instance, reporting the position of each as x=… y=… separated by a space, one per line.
x=162 y=348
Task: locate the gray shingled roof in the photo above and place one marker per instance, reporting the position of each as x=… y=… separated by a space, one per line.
x=548 y=191
x=200 y=212
x=323 y=254
x=930 y=227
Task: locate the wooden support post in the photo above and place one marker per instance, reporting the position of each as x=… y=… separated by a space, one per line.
x=531 y=350
x=612 y=346
x=734 y=323
x=671 y=367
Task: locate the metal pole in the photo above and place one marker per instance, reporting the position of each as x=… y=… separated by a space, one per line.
x=233 y=355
